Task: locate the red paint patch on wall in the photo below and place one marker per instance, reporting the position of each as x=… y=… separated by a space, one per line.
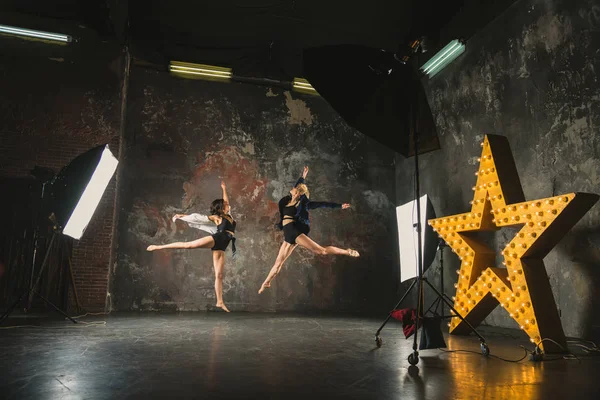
x=164 y=223
x=246 y=188
x=154 y=214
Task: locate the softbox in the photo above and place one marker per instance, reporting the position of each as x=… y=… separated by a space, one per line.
x=374 y=93
x=406 y=216
x=75 y=192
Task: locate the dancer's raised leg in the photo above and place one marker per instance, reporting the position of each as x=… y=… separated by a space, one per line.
x=316 y=248
x=285 y=251
x=205 y=242
x=219 y=264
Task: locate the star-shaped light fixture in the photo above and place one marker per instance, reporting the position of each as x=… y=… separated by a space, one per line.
x=521 y=287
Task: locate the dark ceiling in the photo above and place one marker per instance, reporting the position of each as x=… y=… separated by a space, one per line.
x=262 y=38
x=267 y=36
x=257 y=37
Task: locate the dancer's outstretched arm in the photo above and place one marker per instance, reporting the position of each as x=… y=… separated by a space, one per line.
x=198 y=221
x=306 y=205
x=311 y=205
x=223 y=187
x=205 y=223
x=305 y=172
x=303 y=177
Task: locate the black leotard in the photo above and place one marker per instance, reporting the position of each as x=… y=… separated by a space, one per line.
x=225 y=235
x=226 y=224
x=289 y=212
x=292 y=230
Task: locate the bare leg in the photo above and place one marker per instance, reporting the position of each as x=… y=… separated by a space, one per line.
x=219 y=263
x=285 y=251
x=316 y=248
x=205 y=242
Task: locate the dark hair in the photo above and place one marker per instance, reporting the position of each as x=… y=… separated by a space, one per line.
x=217 y=207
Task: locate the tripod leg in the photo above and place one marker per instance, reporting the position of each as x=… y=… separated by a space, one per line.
x=73 y=285
x=435 y=303
x=419 y=316
x=456 y=312
x=28 y=292
x=13 y=306
x=31 y=291
x=395 y=307
x=56 y=308
x=448 y=298
x=37 y=281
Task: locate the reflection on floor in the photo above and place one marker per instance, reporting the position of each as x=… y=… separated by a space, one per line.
x=291 y=356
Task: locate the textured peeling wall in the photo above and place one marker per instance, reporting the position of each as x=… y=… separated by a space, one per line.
x=183 y=136
x=531 y=75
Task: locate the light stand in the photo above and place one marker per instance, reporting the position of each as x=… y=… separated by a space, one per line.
x=73 y=195
x=438 y=302
x=413 y=358
x=33 y=279
x=32 y=288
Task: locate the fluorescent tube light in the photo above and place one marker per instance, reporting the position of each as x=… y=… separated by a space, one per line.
x=14 y=31
x=200 y=71
x=443 y=57
x=302 y=85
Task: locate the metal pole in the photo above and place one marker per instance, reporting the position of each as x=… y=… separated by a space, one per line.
x=41 y=270
x=442 y=245
x=419 y=241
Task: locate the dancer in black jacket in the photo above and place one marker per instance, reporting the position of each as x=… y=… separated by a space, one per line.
x=295 y=223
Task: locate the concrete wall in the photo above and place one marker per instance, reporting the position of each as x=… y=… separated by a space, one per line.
x=530 y=75
x=184 y=136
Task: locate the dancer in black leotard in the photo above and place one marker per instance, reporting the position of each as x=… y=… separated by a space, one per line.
x=294 y=221
x=221 y=225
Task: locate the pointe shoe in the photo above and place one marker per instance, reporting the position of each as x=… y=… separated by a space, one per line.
x=353 y=253
x=151 y=247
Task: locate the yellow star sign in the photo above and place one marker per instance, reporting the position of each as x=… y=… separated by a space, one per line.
x=522 y=286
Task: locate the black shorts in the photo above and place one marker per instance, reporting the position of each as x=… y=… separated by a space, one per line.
x=222 y=240
x=292 y=230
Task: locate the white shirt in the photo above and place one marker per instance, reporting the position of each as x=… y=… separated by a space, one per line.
x=199 y=221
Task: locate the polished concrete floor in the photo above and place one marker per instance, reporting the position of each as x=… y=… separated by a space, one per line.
x=288 y=356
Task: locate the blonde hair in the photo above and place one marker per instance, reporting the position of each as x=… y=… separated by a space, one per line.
x=303 y=189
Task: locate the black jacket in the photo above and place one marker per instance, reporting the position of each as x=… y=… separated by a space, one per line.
x=304 y=205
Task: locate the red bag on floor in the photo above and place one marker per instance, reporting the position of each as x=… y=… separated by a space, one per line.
x=407 y=316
